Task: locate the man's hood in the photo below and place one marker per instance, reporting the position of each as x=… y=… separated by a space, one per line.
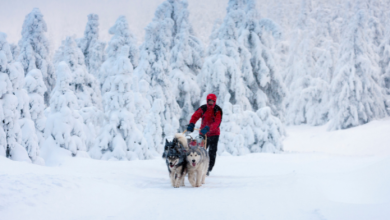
x=212 y=97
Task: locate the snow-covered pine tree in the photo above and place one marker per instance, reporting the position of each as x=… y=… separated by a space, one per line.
x=10 y=132
x=29 y=137
x=357 y=96
x=155 y=69
x=121 y=36
x=36 y=89
x=231 y=140
x=120 y=138
x=222 y=70
x=84 y=85
x=250 y=132
x=92 y=48
x=15 y=51
x=35 y=49
x=384 y=52
x=186 y=62
x=64 y=125
x=308 y=91
x=263 y=78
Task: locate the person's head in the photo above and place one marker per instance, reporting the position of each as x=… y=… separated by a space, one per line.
x=211 y=100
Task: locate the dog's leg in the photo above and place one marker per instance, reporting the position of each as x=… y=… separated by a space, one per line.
x=172 y=176
x=206 y=167
x=191 y=178
x=182 y=179
x=203 y=177
x=199 y=175
x=178 y=178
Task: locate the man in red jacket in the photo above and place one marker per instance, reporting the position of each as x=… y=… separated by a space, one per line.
x=211 y=115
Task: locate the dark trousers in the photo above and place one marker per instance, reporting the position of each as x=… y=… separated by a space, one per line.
x=212 y=146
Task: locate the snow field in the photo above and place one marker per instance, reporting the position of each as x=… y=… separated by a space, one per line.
x=324 y=184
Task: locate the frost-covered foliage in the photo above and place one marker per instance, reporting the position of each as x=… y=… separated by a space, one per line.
x=64 y=124
x=29 y=136
x=10 y=133
x=15 y=51
x=91 y=47
x=384 y=52
x=222 y=70
x=186 y=62
x=121 y=37
x=121 y=138
x=154 y=66
x=263 y=75
x=245 y=132
x=35 y=50
x=310 y=68
x=357 y=95
x=36 y=89
x=83 y=84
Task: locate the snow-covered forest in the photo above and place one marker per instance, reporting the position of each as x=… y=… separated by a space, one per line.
x=303 y=62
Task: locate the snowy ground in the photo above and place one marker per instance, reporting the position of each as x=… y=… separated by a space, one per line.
x=322 y=175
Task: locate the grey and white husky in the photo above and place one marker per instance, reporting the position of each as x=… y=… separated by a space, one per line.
x=197 y=165
x=175 y=153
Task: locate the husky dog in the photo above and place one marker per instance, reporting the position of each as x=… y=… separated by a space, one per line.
x=197 y=165
x=175 y=154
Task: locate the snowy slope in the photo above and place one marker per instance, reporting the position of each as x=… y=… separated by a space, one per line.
x=297 y=184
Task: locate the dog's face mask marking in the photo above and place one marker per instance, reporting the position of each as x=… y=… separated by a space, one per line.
x=172 y=161
x=193 y=158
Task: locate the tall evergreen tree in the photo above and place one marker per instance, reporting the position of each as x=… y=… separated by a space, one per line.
x=65 y=125
x=120 y=138
x=357 y=96
x=91 y=47
x=35 y=49
x=186 y=62
x=155 y=69
x=264 y=78
x=121 y=37
x=10 y=132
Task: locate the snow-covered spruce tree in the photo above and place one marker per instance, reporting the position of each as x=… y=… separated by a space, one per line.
x=153 y=130
x=222 y=70
x=15 y=51
x=10 y=132
x=120 y=138
x=84 y=85
x=155 y=69
x=35 y=50
x=64 y=125
x=29 y=137
x=357 y=96
x=384 y=52
x=186 y=62
x=247 y=131
x=92 y=48
x=307 y=100
x=265 y=82
x=231 y=141
x=121 y=37
x=36 y=89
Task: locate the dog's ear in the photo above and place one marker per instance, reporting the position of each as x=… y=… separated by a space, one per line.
x=166 y=141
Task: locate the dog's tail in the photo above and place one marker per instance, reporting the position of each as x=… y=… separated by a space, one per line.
x=182 y=139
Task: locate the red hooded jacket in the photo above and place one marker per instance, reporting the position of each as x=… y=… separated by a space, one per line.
x=211 y=116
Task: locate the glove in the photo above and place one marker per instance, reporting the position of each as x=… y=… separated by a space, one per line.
x=191 y=127
x=205 y=130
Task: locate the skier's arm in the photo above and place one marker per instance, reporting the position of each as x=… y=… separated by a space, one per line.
x=195 y=117
x=214 y=126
